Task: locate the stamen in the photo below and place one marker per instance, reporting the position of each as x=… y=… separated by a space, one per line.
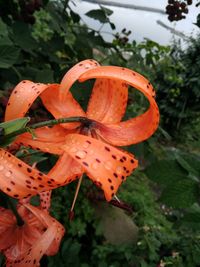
x=115 y=196
x=71 y=213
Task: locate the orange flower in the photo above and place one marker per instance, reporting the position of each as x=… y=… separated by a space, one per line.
x=26 y=244
x=88 y=146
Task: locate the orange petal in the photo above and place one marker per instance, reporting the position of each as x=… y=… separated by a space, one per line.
x=32 y=257
x=47 y=220
x=66 y=169
x=22 y=98
x=107 y=166
x=47 y=139
x=7 y=227
x=19 y=180
x=108 y=101
x=134 y=130
x=45 y=200
x=61 y=108
x=73 y=74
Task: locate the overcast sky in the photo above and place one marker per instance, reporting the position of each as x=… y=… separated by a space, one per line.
x=142 y=23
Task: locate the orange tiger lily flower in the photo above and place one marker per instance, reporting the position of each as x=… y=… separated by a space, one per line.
x=26 y=244
x=89 y=147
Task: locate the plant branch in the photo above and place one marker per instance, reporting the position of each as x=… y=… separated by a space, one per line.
x=45 y=123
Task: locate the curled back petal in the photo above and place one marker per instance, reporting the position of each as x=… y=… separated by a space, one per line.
x=22 y=98
x=32 y=257
x=108 y=101
x=134 y=130
x=106 y=165
x=19 y=180
x=7 y=228
x=47 y=220
x=61 y=108
x=73 y=75
x=46 y=139
x=66 y=169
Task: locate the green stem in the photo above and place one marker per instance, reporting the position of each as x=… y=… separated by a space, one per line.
x=12 y=206
x=45 y=123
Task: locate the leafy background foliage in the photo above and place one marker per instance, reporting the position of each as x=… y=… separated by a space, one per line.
x=40 y=41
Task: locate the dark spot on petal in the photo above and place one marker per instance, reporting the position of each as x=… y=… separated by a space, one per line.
x=29 y=170
x=107 y=148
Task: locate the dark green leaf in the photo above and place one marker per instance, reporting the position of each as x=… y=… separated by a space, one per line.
x=75 y=16
x=181 y=194
x=98 y=14
x=8 y=56
x=22 y=36
x=45 y=76
x=12 y=126
x=165 y=172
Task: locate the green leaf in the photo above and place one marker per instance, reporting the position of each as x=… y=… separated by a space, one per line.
x=45 y=76
x=187 y=166
x=181 y=194
x=8 y=56
x=165 y=172
x=98 y=14
x=12 y=126
x=198 y=21
x=22 y=36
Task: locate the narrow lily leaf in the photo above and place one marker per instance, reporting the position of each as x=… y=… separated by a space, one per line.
x=11 y=126
x=14 y=125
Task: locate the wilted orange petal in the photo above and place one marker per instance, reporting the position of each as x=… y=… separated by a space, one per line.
x=32 y=257
x=7 y=227
x=19 y=180
x=61 y=108
x=47 y=139
x=107 y=166
x=66 y=169
x=108 y=101
x=22 y=98
x=47 y=220
x=73 y=74
x=134 y=130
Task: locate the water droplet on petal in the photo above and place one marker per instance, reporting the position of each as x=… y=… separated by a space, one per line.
x=108 y=165
x=1 y=167
x=81 y=154
x=90 y=152
x=95 y=165
x=8 y=173
x=73 y=149
x=86 y=145
x=119 y=170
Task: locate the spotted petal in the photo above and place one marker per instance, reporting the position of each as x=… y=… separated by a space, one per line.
x=73 y=74
x=61 y=107
x=107 y=166
x=66 y=169
x=46 y=139
x=22 y=98
x=48 y=242
x=108 y=101
x=134 y=130
x=19 y=180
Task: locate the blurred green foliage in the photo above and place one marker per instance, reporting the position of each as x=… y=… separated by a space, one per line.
x=41 y=45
